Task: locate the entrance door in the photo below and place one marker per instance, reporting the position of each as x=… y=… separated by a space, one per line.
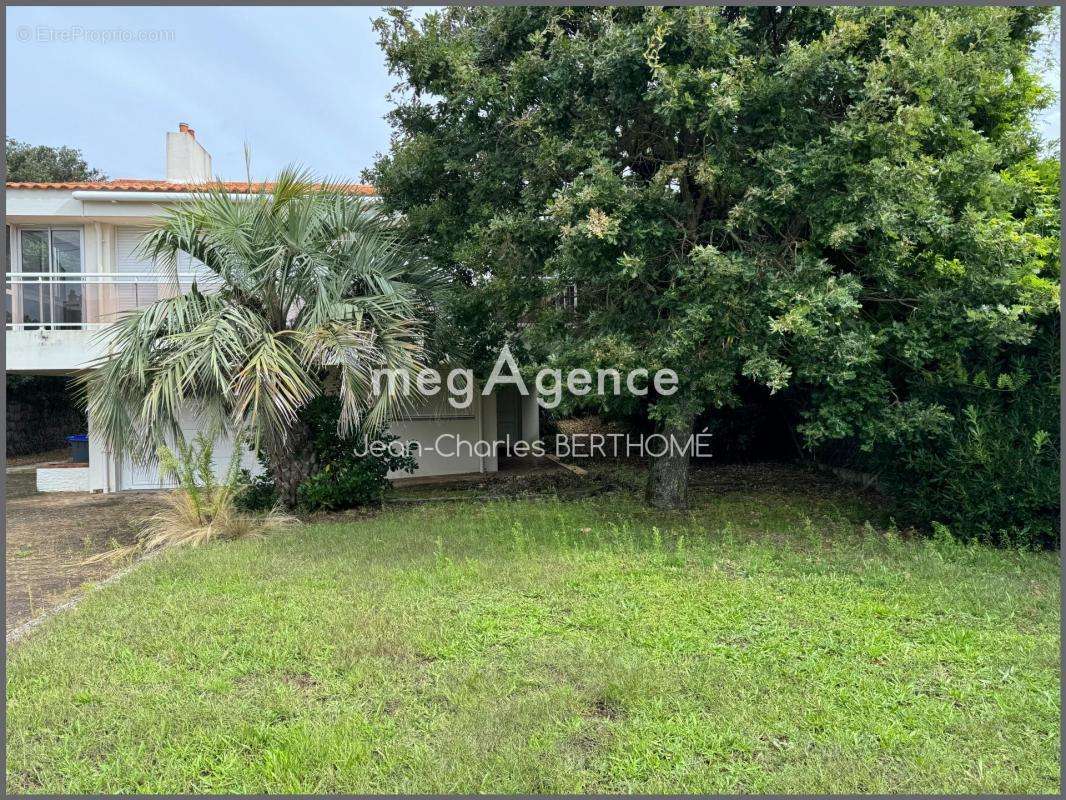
x=509 y=416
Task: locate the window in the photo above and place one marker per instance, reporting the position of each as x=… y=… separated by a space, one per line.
x=67 y=297
x=51 y=252
x=8 y=291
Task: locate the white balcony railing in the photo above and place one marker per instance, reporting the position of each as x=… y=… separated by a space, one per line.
x=88 y=300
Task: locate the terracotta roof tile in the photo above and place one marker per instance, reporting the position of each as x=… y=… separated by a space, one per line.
x=138 y=185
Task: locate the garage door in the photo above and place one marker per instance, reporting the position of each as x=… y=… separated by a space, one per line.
x=146 y=476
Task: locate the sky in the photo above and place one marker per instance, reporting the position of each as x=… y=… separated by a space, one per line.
x=305 y=85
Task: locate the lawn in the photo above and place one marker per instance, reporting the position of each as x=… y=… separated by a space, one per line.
x=767 y=641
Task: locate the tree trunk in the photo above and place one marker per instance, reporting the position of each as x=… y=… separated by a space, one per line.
x=668 y=477
x=292 y=461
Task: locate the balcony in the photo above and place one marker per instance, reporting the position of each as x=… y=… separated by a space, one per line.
x=87 y=300
x=58 y=313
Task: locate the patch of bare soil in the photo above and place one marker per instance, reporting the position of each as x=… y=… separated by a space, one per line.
x=584 y=426
x=49 y=535
x=619 y=474
x=758 y=477
x=38 y=458
x=516 y=478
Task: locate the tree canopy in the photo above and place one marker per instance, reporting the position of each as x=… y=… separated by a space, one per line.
x=844 y=207
x=42 y=163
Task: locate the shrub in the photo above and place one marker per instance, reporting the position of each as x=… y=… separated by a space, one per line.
x=989 y=469
x=258 y=493
x=349 y=484
x=992 y=476
x=350 y=470
x=202 y=508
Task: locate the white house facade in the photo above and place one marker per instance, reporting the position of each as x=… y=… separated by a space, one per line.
x=73 y=268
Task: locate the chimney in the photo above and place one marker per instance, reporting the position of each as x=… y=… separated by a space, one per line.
x=187 y=160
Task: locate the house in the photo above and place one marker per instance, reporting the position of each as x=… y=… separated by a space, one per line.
x=73 y=268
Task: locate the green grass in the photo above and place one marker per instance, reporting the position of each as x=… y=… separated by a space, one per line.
x=765 y=642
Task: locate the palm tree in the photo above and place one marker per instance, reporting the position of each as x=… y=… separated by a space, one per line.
x=309 y=290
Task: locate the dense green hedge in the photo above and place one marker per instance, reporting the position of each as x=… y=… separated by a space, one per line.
x=992 y=471
x=40 y=414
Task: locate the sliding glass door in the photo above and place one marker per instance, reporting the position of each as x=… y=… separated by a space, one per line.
x=9 y=288
x=67 y=295
x=51 y=300
x=33 y=246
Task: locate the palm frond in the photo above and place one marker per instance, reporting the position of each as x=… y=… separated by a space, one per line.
x=311 y=282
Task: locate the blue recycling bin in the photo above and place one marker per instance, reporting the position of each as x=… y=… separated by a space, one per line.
x=79 y=448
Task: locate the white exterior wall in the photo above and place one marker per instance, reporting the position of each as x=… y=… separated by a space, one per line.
x=187 y=160
x=106 y=238
x=51 y=352
x=476 y=424
x=59 y=206
x=63 y=479
x=445 y=437
x=102 y=471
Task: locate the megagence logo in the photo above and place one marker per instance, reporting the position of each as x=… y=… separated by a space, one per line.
x=549 y=383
